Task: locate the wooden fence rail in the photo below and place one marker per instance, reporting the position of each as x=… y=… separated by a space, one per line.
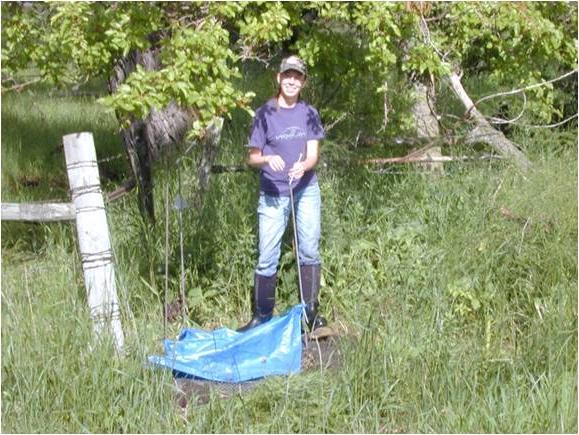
x=38 y=212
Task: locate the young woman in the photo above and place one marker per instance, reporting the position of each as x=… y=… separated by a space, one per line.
x=284 y=144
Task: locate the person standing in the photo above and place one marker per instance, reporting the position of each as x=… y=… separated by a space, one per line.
x=284 y=145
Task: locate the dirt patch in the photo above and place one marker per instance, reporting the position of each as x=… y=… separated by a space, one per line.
x=319 y=353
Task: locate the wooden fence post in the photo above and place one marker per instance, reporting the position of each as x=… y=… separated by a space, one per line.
x=93 y=235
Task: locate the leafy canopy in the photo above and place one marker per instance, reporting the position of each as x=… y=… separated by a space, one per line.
x=202 y=45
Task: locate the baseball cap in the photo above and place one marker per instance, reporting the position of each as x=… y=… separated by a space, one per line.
x=295 y=63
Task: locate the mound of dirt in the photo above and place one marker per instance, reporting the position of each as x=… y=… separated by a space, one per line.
x=323 y=352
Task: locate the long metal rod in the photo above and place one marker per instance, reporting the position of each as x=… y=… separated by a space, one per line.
x=297 y=246
x=296 y=242
x=182 y=259
x=166 y=287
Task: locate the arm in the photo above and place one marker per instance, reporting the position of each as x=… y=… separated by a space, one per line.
x=256 y=159
x=310 y=162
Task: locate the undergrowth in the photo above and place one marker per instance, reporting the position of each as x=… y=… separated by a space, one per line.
x=456 y=293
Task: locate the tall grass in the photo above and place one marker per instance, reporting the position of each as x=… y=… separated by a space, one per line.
x=459 y=317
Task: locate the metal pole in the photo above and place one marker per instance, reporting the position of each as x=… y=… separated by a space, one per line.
x=182 y=256
x=296 y=243
x=166 y=259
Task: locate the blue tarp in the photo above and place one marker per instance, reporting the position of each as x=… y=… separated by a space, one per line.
x=224 y=355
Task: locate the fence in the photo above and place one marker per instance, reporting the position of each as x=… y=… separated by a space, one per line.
x=88 y=211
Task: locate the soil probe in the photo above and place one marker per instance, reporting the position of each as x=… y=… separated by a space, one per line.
x=297 y=245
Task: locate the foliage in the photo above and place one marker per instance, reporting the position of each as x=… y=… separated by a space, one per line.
x=515 y=44
x=71 y=41
x=196 y=74
x=203 y=43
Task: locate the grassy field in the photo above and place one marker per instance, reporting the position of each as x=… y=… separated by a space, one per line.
x=458 y=293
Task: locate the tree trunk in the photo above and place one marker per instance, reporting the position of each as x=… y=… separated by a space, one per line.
x=145 y=140
x=484 y=132
x=426 y=126
x=210 y=146
x=425 y=122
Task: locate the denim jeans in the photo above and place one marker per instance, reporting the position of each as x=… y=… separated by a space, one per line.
x=273 y=214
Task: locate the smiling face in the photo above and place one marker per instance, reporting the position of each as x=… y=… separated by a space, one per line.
x=290 y=84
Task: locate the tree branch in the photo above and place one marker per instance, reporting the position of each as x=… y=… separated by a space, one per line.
x=493 y=120
x=19 y=86
x=485 y=131
x=551 y=125
x=526 y=88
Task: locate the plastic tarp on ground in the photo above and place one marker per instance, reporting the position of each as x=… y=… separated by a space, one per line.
x=224 y=355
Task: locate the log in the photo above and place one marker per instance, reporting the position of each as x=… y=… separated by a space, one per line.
x=93 y=236
x=38 y=212
x=484 y=132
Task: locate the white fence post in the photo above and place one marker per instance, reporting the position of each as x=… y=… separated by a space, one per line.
x=93 y=235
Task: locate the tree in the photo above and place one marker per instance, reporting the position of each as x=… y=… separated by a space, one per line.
x=177 y=63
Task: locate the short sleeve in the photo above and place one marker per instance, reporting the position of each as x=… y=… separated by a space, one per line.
x=314 y=124
x=257 y=136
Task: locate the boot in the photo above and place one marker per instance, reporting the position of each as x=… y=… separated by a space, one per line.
x=311 y=288
x=262 y=302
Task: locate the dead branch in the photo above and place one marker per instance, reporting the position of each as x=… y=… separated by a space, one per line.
x=484 y=132
x=125 y=188
x=526 y=88
x=19 y=86
x=493 y=120
x=426 y=159
x=339 y=119
x=557 y=124
x=484 y=129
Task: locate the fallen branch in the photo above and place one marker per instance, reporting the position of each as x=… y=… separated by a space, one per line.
x=484 y=132
x=19 y=86
x=494 y=120
x=484 y=129
x=526 y=88
x=333 y=124
x=125 y=188
x=431 y=159
x=527 y=221
x=557 y=124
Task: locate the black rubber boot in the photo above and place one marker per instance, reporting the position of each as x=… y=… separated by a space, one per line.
x=311 y=288
x=262 y=302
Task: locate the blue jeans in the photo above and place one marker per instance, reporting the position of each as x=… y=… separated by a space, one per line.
x=273 y=214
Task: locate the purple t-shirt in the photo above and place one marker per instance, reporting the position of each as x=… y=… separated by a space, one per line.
x=284 y=132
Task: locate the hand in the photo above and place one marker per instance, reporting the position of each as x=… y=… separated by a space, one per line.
x=276 y=163
x=297 y=171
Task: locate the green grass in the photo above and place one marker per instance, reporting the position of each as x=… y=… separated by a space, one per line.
x=460 y=319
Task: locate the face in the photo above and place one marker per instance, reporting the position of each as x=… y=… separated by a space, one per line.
x=291 y=83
